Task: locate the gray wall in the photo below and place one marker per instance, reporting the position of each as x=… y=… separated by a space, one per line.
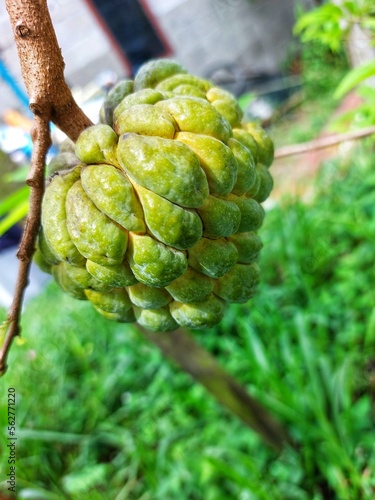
x=254 y=33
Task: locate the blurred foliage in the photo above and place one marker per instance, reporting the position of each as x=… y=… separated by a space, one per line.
x=100 y=413
x=321 y=72
x=14 y=200
x=330 y=25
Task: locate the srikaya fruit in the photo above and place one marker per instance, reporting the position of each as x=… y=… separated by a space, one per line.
x=154 y=218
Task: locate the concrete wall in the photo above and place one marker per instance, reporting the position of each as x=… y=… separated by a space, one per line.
x=253 y=33
x=256 y=34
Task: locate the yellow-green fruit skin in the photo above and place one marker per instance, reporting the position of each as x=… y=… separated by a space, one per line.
x=157 y=320
x=116 y=276
x=239 y=284
x=216 y=159
x=97 y=144
x=54 y=215
x=94 y=234
x=113 y=194
x=113 y=99
x=152 y=262
x=166 y=167
x=152 y=215
x=148 y=297
x=115 y=301
x=196 y=315
x=191 y=286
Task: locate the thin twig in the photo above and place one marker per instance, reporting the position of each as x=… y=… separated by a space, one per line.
x=42 y=68
x=324 y=142
x=41 y=142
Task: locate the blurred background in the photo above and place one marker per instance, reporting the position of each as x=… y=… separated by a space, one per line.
x=100 y=412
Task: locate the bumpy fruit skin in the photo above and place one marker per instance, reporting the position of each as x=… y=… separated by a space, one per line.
x=153 y=214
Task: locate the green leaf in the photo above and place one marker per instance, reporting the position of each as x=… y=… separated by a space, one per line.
x=14 y=216
x=352 y=7
x=316 y=18
x=369 y=23
x=353 y=78
x=14 y=199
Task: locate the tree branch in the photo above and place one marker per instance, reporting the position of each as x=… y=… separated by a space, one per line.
x=42 y=141
x=324 y=142
x=42 y=69
x=42 y=66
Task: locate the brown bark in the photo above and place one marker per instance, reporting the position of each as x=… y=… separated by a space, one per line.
x=42 y=69
x=42 y=141
x=42 y=66
x=323 y=142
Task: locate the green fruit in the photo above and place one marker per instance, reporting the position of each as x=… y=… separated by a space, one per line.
x=198 y=314
x=82 y=278
x=152 y=262
x=45 y=250
x=153 y=213
x=112 y=193
x=265 y=183
x=67 y=146
x=148 y=297
x=186 y=90
x=157 y=320
x=213 y=257
x=248 y=246
x=114 y=301
x=146 y=119
x=246 y=173
x=197 y=115
x=220 y=218
x=247 y=140
x=265 y=145
x=252 y=213
x=62 y=161
x=145 y=96
x=154 y=72
x=169 y=223
x=114 y=97
x=191 y=286
x=94 y=234
x=66 y=283
x=226 y=104
x=175 y=81
x=253 y=191
x=121 y=317
x=216 y=159
x=239 y=284
x=41 y=262
x=97 y=144
x=115 y=276
x=169 y=168
x=54 y=218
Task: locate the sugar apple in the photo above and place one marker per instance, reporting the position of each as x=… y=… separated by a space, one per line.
x=152 y=215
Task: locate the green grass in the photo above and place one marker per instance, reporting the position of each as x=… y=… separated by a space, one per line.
x=101 y=414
